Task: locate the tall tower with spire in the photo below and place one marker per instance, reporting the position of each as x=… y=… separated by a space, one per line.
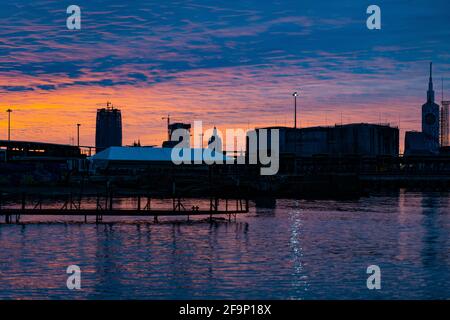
x=430 y=117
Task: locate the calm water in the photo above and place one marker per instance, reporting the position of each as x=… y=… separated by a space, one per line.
x=289 y=249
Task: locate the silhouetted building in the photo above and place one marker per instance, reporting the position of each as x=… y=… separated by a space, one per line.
x=185 y=127
x=427 y=141
x=430 y=116
x=444 y=151
x=30 y=151
x=362 y=139
x=35 y=163
x=108 y=128
x=417 y=143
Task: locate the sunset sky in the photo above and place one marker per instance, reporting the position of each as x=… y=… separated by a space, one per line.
x=233 y=64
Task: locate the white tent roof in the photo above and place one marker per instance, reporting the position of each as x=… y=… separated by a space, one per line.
x=156 y=154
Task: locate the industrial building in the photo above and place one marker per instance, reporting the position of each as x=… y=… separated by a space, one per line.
x=108 y=131
x=29 y=151
x=171 y=127
x=28 y=162
x=362 y=139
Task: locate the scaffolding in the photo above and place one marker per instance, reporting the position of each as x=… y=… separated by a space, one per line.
x=444 y=124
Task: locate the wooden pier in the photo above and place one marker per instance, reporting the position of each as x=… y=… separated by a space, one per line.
x=75 y=206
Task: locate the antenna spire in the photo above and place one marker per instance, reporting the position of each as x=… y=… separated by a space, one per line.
x=430 y=93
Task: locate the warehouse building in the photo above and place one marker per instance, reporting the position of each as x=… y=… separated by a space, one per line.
x=135 y=159
x=362 y=139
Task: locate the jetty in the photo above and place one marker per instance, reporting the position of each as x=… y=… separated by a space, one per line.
x=15 y=206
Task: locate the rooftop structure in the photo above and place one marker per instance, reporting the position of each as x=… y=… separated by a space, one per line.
x=148 y=155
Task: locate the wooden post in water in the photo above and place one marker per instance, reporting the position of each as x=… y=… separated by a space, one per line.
x=23 y=200
x=148 y=205
x=98 y=201
x=0 y=203
x=6 y=215
x=111 y=201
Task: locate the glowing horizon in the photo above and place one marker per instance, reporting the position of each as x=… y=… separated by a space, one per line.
x=230 y=65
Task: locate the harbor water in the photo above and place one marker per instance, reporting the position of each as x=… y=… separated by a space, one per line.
x=281 y=249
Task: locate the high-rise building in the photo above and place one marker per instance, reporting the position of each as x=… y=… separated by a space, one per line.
x=430 y=117
x=427 y=141
x=108 y=128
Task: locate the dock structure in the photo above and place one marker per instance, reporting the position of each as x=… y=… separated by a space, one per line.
x=75 y=206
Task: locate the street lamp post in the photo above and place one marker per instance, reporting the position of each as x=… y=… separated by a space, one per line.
x=201 y=140
x=78 y=134
x=9 y=124
x=295 y=94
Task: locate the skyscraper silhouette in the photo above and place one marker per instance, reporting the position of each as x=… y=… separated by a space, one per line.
x=108 y=128
x=430 y=116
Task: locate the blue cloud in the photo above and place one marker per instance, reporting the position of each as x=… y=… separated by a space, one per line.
x=147 y=42
x=15 y=88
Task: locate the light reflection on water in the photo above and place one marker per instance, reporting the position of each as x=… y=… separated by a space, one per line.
x=290 y=249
